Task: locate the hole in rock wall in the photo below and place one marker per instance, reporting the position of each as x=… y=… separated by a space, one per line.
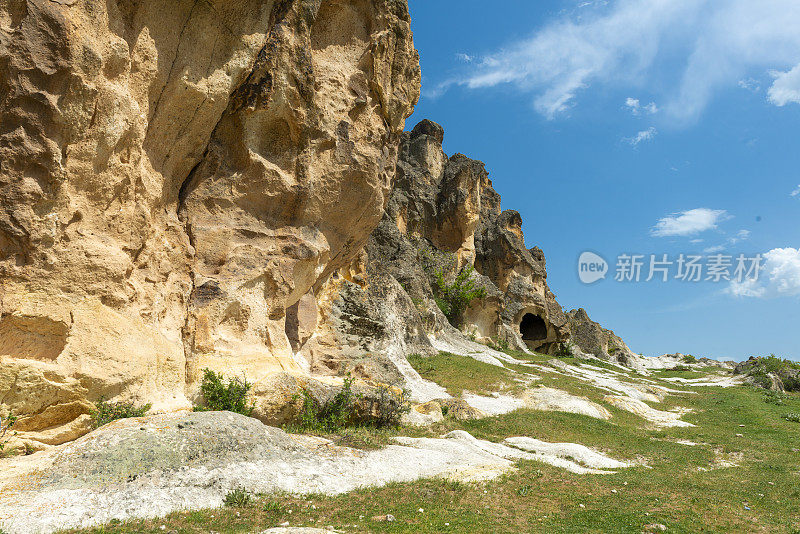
x=533 y=328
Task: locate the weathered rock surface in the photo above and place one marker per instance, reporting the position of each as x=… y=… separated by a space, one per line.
x=178 y=181
x=444 y=215
x=149 y=467
x=591 y=338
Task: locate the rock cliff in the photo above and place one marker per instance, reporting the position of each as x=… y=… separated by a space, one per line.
x=228 y=185
x=175 y=177
x=443 y=216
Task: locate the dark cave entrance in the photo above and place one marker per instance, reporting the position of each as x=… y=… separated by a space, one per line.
x=533 y=328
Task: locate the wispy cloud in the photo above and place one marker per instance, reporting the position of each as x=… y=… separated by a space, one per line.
x=644 y=135
x=780 y=276
x=466 y=58
x=689 y=222
x=716 y=43
x=750 y=84
x=741 y=235
x=796 y=192
x=636 y=108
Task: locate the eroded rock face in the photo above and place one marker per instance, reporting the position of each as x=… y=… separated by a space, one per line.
x=443 y=214
x=593 y=339
x=174 y=177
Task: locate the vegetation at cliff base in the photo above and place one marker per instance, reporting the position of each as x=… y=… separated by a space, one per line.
x=381 y=408
x=5 y=426
x=219 y=394
x=105 y=412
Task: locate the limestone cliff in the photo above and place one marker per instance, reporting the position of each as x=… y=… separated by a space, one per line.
x=174 y=177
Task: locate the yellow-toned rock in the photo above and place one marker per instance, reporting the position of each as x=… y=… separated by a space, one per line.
x=174 y=176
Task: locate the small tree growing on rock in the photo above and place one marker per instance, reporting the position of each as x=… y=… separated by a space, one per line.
x=454 y=298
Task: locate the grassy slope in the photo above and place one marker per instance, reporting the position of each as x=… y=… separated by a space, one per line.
x=684 y=490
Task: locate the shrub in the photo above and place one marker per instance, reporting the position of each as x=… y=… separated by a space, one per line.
x=238 y=498
x=220 y=396
x=688 y=358
x=105 y=412
x=454 y=298
x=794 y=417
x=383 y=409
x=335 y=414
x=5 y=426
x=387 y=407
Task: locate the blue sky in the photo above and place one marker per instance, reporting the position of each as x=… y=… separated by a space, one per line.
x=636 y=126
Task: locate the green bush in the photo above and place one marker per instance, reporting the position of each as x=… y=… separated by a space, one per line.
x=454 y=298
x=334 y=415
x=5 y=426
x=387 y=407
x=238 y=498
x=383 y=409
x=221 y=396
x=105 y=412
x=688 y=358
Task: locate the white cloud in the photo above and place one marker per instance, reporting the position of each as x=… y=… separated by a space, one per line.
x=688 y=222
x=644 y=135
x=633 y=105
x=696 y=241
x=786 y=87
x=636 y=108
x=741 y=235
x=796 y=191
x=750 y=84
x=638 y=43
x=714 y=249
x=779 y=276
x=466 y=58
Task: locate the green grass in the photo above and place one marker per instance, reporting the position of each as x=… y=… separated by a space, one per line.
x=672 y=373
x=459 y=373
x=685 y=489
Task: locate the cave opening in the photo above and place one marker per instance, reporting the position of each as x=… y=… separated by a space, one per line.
x=533 y=328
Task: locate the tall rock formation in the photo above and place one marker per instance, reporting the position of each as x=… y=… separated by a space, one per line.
x=443 y=216
x=178 y=181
